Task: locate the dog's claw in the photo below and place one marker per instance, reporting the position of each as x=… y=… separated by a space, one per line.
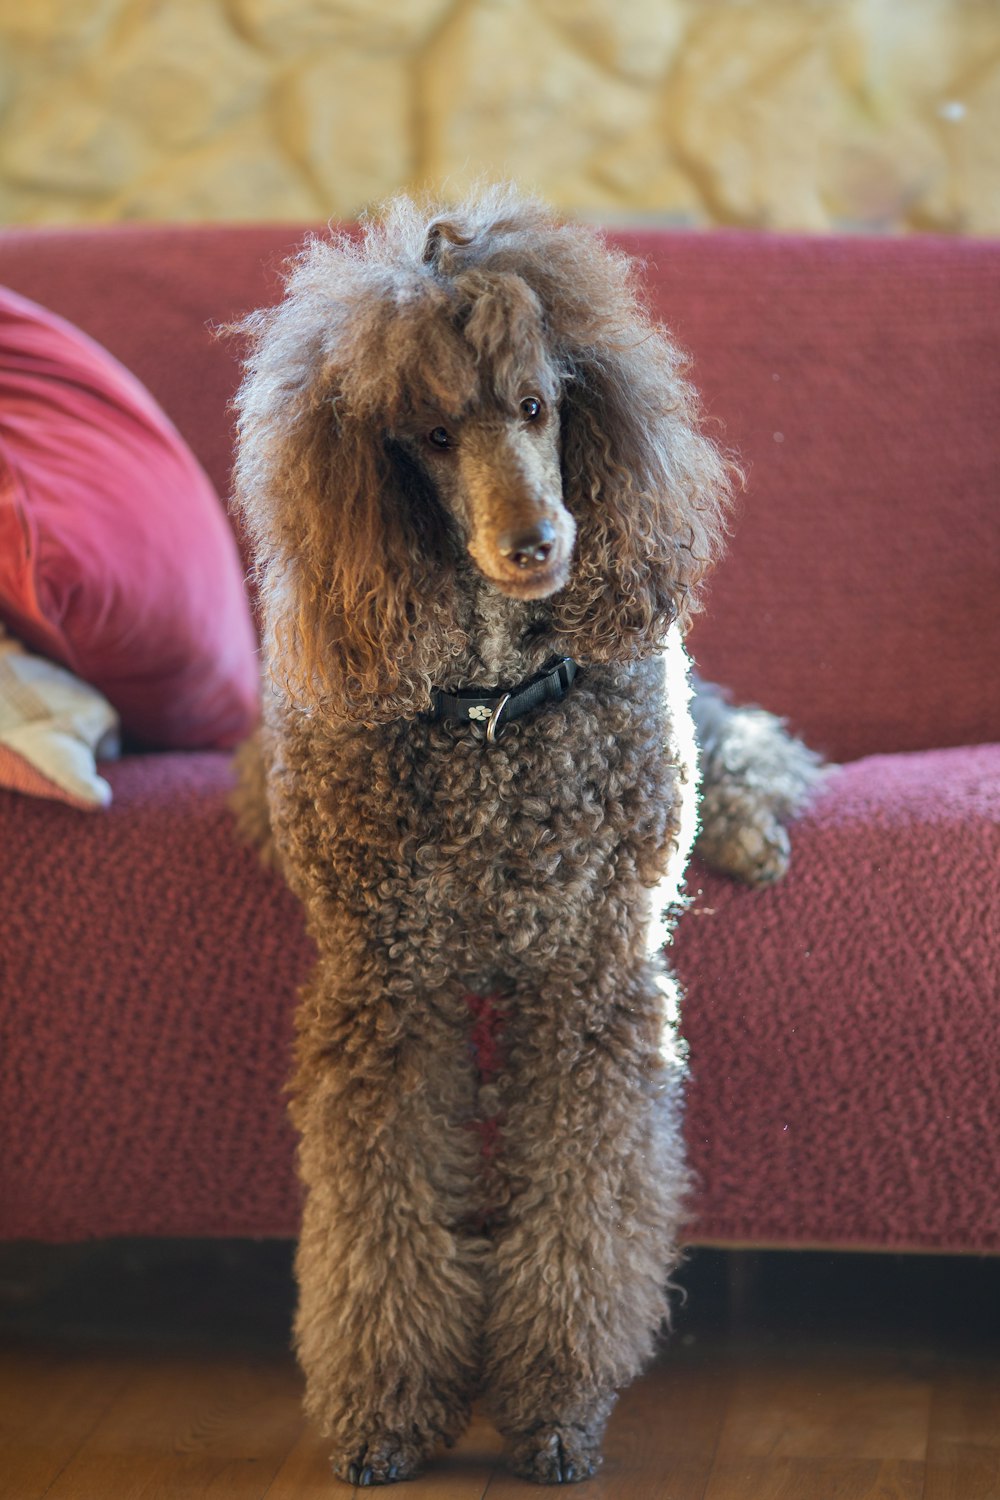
x=376 y=1462
x=365 y=1476
x=565 y=1468
x=555 y=1456
x=358 y=1472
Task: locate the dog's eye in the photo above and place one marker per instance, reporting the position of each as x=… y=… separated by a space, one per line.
x=531 y=408
x=439 y=437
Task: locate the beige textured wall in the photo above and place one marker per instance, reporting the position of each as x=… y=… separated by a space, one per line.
x=799 y=114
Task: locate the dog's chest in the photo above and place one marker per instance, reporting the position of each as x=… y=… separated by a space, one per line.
x=516 y=846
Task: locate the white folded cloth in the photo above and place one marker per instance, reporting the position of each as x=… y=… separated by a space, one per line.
x=53 y=729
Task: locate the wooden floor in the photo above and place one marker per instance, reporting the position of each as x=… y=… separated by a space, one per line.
x=789 y=1378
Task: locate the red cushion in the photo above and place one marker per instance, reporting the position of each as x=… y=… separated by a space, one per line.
x=116 y=558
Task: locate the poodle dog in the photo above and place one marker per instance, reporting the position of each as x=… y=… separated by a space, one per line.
x=480 y=503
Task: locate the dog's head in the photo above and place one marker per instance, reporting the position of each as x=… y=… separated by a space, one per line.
x=486 y=439
x=477 y=391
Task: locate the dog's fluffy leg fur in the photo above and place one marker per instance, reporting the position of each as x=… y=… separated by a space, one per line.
x=390 y=1274
x=248 y=800
x=755 y=779
x=591 y=1148
x=390 y=1285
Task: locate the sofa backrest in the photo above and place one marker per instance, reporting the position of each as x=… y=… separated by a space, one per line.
x=858 y=381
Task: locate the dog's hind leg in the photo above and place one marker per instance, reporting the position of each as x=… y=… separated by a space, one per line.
x=592 y=1155
x=248 y=799
x=390 y=1288
x=756 y=778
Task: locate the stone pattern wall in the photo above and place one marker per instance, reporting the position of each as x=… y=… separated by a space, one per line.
x=783 y=114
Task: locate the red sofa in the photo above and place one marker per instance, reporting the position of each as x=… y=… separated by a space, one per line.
x=844 y=1027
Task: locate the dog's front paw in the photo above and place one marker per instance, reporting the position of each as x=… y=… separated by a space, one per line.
x=744 y=838
x=756 y=778
x=383 y=1459
x=554 y=1455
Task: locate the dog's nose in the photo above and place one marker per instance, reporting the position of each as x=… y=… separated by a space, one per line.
x=528 y=549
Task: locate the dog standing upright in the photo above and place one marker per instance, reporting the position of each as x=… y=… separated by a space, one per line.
x=480 y=503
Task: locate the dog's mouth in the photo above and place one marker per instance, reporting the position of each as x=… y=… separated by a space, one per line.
x=538 y=584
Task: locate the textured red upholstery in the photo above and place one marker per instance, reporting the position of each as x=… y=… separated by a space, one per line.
x=148 y=983
x=844 y=1027
x=856 y=380
x=148 y=968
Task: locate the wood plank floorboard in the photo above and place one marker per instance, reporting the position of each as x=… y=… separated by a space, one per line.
x=963 y=1455
x=170 y=1397
x=50 y=1401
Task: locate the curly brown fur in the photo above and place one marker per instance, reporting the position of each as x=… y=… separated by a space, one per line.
x=433 y=867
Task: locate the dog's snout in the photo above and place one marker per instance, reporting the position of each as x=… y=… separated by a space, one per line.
x=528 y=549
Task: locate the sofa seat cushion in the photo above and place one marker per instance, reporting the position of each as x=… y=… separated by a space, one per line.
x=845 y=1071
x=141 y=1085
x=844 y=1025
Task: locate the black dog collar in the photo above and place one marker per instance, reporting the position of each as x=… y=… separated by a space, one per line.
x=493 y=708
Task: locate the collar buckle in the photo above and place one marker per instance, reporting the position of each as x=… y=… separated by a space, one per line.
x=491 y=728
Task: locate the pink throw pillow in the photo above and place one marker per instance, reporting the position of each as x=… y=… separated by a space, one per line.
x=116 y=557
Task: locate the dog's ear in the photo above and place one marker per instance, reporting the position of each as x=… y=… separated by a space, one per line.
x=647 y=489
x=350 y=554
